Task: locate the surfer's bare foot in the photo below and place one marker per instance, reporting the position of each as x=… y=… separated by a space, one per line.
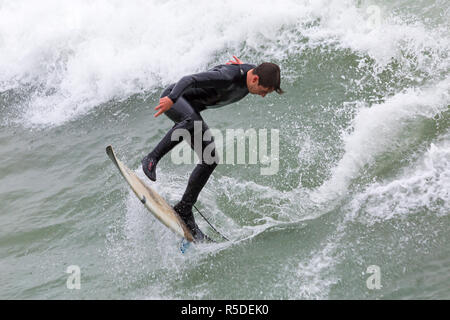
x=149 y=167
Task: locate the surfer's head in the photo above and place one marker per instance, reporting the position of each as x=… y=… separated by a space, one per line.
x=264 y=79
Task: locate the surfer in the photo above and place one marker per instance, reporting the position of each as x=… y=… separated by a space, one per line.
x=183 y=101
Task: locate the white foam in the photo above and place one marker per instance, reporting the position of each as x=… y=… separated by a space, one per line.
x=422 y=188
x=77 y=56
x=314 y=276
x=86 y=53
x=379 y=129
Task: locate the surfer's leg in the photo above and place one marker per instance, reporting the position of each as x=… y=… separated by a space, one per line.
x=184 y=116
x=197 y=181
x=203 y=170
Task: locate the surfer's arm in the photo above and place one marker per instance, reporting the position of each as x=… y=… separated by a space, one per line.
x=237 y=61
x=218 y=78
x=165 y=103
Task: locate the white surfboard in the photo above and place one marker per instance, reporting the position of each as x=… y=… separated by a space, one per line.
x=152 y=200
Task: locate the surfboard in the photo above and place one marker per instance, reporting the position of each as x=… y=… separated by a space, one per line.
x=153 y=201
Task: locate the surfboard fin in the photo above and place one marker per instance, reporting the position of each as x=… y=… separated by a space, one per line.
x=184 y=245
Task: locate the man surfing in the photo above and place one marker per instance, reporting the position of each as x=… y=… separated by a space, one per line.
x=183 y=101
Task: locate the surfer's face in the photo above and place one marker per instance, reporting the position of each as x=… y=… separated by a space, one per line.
x=262 y=91
x=254 y=87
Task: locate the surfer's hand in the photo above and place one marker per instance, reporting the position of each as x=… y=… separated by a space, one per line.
x=234 y=62
x=165 y=103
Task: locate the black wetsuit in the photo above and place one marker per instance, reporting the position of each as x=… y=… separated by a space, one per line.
x=222 y=85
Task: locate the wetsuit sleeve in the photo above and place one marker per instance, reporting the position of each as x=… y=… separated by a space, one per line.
x=217 y=78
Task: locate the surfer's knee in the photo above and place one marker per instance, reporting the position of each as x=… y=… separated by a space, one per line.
x=187 y=124
x=192 y=123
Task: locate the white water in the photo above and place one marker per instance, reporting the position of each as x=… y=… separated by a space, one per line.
x=69 y=58
x=424 y=187
x=383 y=128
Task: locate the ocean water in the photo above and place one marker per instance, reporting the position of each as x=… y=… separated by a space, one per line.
x=364 y=150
